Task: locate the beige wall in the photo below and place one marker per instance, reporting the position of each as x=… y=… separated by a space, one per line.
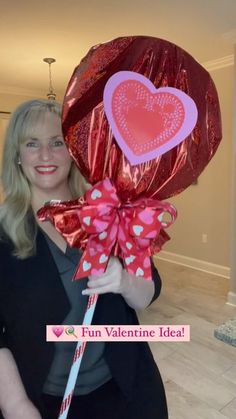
x=205 y=208
x=8 y=102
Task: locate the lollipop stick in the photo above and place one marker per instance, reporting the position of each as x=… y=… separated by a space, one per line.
x=78 y=355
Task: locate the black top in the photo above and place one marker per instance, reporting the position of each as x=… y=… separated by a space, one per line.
x=32 y=296
x=94 y=370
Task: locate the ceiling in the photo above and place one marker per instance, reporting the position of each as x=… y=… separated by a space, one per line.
x=65 y=29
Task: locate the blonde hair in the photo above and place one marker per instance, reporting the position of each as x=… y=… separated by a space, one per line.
x=16 y=216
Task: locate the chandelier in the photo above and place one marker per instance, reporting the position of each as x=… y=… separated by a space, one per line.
x=51 y=95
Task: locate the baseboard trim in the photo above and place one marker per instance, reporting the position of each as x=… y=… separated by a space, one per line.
x=198 y=264
x=231 y=298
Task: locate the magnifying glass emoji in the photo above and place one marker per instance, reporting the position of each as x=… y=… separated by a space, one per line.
x=71 y=331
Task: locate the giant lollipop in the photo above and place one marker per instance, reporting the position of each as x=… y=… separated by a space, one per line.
x=118 y=165
x=90 y=138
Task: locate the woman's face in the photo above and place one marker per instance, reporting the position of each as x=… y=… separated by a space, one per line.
x=44 y=158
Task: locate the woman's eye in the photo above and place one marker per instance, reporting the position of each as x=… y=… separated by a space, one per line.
x=58 y=143
x=31 y=144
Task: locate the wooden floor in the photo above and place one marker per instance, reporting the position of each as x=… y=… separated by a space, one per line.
x=200 y=375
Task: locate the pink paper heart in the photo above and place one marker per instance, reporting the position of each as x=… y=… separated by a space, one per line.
x=146 y=122
x=58 y=330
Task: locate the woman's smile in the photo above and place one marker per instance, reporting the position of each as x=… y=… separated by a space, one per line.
x=46 y=170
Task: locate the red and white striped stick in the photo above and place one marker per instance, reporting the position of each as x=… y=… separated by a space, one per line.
x=78 y=355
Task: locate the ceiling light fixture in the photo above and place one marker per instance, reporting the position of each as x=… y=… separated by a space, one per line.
x=51 y=94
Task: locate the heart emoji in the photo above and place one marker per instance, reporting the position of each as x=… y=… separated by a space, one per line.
x=58 y=330
x=147 y=122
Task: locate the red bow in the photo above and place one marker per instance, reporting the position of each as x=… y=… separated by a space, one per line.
x=101 y=225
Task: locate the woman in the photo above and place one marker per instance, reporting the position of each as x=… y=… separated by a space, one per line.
x=116 y=379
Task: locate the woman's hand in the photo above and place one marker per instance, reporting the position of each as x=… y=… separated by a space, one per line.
x=137 y=291
x=23 y=409
x=110 y=281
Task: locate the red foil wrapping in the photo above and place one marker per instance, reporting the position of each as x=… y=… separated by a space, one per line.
x=89 y=137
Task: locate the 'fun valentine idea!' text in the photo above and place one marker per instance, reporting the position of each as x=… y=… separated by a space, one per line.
x=121 y=333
